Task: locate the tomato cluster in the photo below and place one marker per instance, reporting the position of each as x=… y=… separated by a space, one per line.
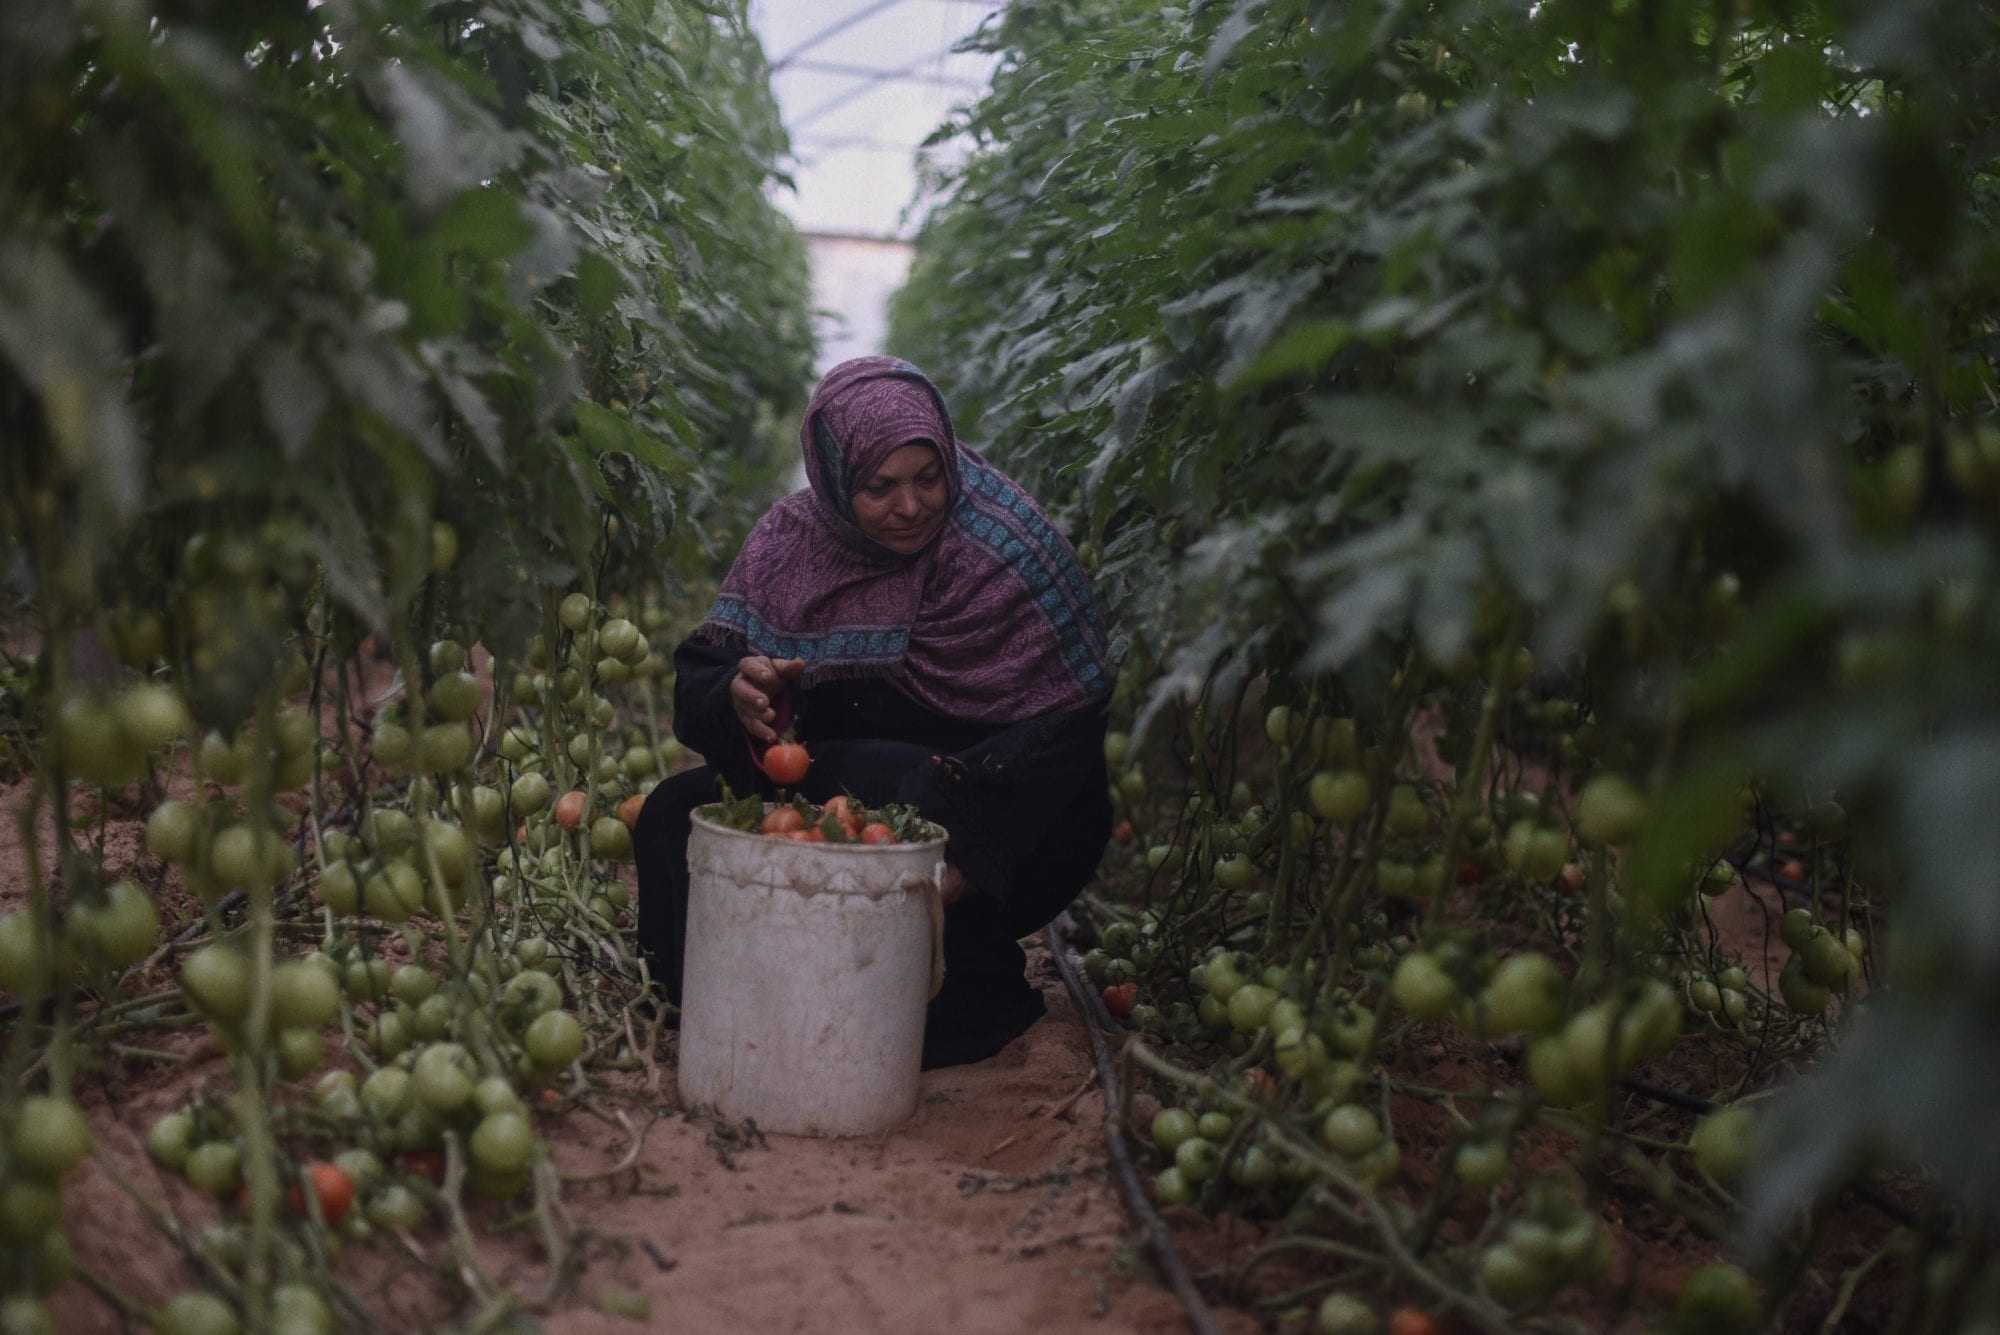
x=842 y=820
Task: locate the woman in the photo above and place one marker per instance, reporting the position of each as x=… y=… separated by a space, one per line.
x=924 y=629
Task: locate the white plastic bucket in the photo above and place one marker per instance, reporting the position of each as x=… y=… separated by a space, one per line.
x=807 y=971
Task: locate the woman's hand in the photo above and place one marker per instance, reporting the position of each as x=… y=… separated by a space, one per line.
x=758 y=680
x=954 y=886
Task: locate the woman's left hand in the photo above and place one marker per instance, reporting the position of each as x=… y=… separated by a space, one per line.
x=954 y=886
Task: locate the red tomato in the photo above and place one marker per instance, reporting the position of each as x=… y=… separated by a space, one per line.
x=783 y=820
x=786 y=763
x=800 y=836
x=424 y=1163
x=1259 y=1083
x=1793 y=870
x=334 y=1188
x=628 y=810
x=875 y=832
x=814 y=835
x=844 y=810
x=1469 y=872
x=569 y=808
x=1412 y=1321
x=1123 y=834
x=1119 y=998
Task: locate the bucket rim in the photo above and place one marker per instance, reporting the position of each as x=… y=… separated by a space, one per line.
x=841 y=849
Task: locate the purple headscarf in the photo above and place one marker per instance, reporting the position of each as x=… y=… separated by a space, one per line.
x=992 y=620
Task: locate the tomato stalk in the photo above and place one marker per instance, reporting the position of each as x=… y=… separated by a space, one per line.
x=1349 y=1198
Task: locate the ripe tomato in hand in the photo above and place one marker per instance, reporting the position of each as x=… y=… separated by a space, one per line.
x=1119 y=998
x=786 y=763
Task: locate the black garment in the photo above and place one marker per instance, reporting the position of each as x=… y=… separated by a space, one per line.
x=1024 y=805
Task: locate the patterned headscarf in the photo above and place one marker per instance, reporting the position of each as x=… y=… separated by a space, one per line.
x=992 y=620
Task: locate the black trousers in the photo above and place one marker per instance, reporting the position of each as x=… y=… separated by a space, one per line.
x=985 y=1002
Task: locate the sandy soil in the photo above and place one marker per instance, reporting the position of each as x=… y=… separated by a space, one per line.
x=990 y=1210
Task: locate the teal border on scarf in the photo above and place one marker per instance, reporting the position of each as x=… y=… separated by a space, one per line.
x=847 y=645
x=1031 y=548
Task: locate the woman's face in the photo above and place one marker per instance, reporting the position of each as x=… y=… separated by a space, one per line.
x=903 y=504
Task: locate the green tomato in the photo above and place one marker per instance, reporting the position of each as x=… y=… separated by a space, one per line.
x=1802 y=995
x=1609 y=811
x=1215 y=1126
x=455 y=696
x=609 y=838
x=1171 y=1126
x=1170 y=1187
x=1422 y=987
x=196 y=1312
x=1197 y=1159
x=387 y=1093
x=554 y=1040
x=300 y=1051
x=1526 y=992
x=1480 y=1163
x=529 y=794
x=170 y=1139
x=574 y=611
x=24 y=1314
x=395 y=1206
x=1350 y=1131
x=1513 y=1279
x=1718 y=1298
x=215 y=1167
x=1339 y=796
x=173 y=830
x=412 y=984
x=1253 y=1168
x=1408 y=817
x=1724 y=1143
x=119 y=932
x=443 y=1076
x=1233 y=872
x=446 y=747
x=502 y=1143
x=217 y=982
x=304 y=995
x=1345 y=1314
x=1250 y=1006
x=299 y=1310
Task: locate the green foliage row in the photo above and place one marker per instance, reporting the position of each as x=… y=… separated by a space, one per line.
x=1662 y=334
x=305 y=279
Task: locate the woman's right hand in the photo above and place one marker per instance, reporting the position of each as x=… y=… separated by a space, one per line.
x=759 y=680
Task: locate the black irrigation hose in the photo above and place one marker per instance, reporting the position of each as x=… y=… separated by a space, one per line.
x=1158 y=1239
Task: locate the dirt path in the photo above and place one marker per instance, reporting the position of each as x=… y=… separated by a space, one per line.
x=989 y=1211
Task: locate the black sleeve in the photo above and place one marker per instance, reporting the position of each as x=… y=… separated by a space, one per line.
x=704 y=718
x=1026 y=809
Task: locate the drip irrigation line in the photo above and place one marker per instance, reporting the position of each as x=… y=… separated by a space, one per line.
x=1158 y=1239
